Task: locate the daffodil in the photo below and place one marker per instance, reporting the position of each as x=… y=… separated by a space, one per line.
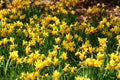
x=28 y=49
x=66 y=68
x=69 y=37
x=2 y=58
x=57 y=40
x=56 y=75
x=64 y=56
x=100 y=56
x=12 y=47
x=55 y=61
x=13 y=55
x=37 y=3
x=72 y=69
x=39 y=65
x=102 y=41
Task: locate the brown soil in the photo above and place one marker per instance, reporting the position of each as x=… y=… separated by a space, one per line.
x=82 y=6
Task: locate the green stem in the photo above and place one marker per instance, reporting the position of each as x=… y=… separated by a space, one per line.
x=6 y=67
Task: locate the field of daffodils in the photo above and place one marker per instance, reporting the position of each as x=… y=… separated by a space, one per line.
x=44 y=41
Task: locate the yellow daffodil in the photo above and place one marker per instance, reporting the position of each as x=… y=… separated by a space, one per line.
x=2 y=58
x=13 y=55
x=64 y=56
x=56 y=75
